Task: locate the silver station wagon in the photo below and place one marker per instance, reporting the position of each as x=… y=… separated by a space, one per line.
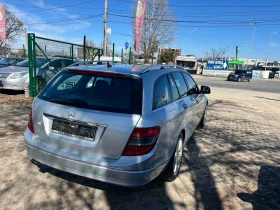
x=124 y=125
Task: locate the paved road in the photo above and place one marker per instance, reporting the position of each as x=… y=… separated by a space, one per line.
x=262 y=85
x=234 y=163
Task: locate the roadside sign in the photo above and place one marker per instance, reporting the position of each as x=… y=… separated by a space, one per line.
x=217 y=65
x=126 y=45
x=124 y=59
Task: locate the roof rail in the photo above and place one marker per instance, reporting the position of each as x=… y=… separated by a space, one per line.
x=89 y=63
x=161 y=66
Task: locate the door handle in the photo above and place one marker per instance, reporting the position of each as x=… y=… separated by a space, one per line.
x=185 y=106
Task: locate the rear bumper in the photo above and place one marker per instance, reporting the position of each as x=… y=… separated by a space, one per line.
x=102 y=173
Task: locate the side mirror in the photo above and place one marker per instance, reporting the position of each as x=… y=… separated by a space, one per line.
x=205 y=90
x=51 y=68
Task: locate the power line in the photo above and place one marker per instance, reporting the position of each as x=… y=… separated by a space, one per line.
x=62 y=21
x=53 y=8
x=204 y=21
x=204 y=6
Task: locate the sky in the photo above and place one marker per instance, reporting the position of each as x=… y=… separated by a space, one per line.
x=212 y=24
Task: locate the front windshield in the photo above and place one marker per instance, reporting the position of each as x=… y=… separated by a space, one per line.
x=4 y=61
x=237 y=71
x=39 y=62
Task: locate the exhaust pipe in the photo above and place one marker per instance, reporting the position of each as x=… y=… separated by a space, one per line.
x=35 y=162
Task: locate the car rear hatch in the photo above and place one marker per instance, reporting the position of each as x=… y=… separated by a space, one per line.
x=88 y=114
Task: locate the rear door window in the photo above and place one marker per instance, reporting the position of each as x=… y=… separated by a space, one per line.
x=161 y=92
x=97 y=92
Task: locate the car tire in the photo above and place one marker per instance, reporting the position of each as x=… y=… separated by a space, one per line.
x=249 y=80
x=40 y=84
x=172 y=169
x=202 y=122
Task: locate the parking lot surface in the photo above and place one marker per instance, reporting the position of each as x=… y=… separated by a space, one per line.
x=234 y=163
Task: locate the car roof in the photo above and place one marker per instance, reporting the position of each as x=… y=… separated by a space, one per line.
x=136 y=70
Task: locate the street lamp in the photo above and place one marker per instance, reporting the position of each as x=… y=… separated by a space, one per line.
x=183 y=44
x=255 y=25
x=271 y=33
x=191 y=39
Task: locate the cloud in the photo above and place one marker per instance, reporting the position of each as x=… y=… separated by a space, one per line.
x=37 y=24
x=54 y=30
x=41 y=4
x=274 y=44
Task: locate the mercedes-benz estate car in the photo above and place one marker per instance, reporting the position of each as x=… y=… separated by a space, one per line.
x=124 y=125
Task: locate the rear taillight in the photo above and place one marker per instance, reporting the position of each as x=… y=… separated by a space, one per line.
x=30 y=122
x=141 y=141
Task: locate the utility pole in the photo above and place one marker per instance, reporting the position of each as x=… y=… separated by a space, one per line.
x=271 y=33
x=105 y=28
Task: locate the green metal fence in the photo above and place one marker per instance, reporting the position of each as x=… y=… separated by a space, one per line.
x=49 y=48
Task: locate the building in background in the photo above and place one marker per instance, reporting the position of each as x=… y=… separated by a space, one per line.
x=176 y=51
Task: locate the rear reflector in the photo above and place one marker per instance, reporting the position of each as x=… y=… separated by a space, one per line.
x=30 y=122
x=141 y=141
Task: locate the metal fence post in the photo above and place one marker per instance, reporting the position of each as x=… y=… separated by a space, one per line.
x=32 y=64
x=84 y=48
x=45 y=49
x=122 y=56
x=129 y=59
x=72 y=51
x=113 y=54
x=24 y=53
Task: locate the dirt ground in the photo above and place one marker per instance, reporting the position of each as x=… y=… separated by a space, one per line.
x=234 y=163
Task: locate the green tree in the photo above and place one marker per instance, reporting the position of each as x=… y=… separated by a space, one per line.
x=166 y=56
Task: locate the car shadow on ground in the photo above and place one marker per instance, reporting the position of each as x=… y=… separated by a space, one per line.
x=267 y=195
x=204 y=184
x=11 y=92
x=150 y=196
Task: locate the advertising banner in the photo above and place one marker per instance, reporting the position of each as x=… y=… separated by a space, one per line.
x=2 y=24
x=140 y=13
x=217 y=65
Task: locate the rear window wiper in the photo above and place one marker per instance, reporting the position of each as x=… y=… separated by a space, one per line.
x=70 y=102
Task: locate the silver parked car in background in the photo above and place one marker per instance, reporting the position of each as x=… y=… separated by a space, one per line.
x=124 y=125
x=16 y=76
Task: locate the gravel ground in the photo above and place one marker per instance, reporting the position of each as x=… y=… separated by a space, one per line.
x=13 y=97
x=234 y=163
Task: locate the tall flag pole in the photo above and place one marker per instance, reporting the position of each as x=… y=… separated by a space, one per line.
x=140 y=13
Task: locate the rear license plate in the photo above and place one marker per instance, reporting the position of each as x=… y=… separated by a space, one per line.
x=74 y=129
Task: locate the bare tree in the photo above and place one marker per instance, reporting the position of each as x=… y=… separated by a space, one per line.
x=14 y=27
x=158 y=27
x=219 y=53
x=89 y=51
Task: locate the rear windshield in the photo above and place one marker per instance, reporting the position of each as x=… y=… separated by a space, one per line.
x=96 y=92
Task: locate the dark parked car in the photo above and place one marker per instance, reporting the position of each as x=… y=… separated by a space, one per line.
x=10 y=61
x=240 y=75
